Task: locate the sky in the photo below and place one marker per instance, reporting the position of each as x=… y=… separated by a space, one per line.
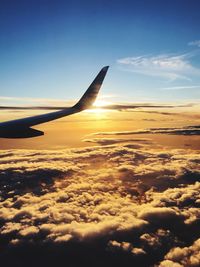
x=115 y=185
x=53 y=49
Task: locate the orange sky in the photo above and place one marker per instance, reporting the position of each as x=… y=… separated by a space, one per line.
x=71 y=131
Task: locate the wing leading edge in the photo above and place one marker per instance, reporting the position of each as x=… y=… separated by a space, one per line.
x=21 y=128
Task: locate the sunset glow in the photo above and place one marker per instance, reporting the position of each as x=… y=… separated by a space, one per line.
x=102 y=103
x=99 y=133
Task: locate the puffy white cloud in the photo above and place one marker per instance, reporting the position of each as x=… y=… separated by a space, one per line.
x=168 y=263
x=184 y=256
x=117 y=198
x=116 y=246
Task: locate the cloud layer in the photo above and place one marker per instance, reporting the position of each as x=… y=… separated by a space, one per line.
x=187 y=130
x=101 y=206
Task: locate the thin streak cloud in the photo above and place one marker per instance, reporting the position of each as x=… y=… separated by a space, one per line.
x=120 y=107
x=187 y=130
x=181 y=87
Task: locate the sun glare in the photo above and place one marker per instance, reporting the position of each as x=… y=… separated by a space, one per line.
x=101 y=103
x=99 y=107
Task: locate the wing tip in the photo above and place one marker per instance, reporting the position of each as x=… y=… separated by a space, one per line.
x=91 y=93
x=105 y=68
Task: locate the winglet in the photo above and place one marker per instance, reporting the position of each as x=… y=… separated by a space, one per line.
x=90 y=95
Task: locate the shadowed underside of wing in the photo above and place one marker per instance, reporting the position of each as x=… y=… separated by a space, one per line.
x=20 y=133
x=21 y=128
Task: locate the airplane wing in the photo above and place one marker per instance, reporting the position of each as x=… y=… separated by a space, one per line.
x=21 y=128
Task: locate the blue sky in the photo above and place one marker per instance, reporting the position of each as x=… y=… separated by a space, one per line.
x=53 y=49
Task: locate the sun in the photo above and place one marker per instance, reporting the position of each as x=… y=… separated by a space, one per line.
x=101 y=103
x=99 y=107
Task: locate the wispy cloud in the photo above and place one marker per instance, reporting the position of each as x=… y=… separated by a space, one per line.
x=110 y=141
x=166 y=66
x=187 y=130
x=28 y=99
x=181 y=87
x=44 y=102
x=114 y=106
x=195 y=43
x=24 y=102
